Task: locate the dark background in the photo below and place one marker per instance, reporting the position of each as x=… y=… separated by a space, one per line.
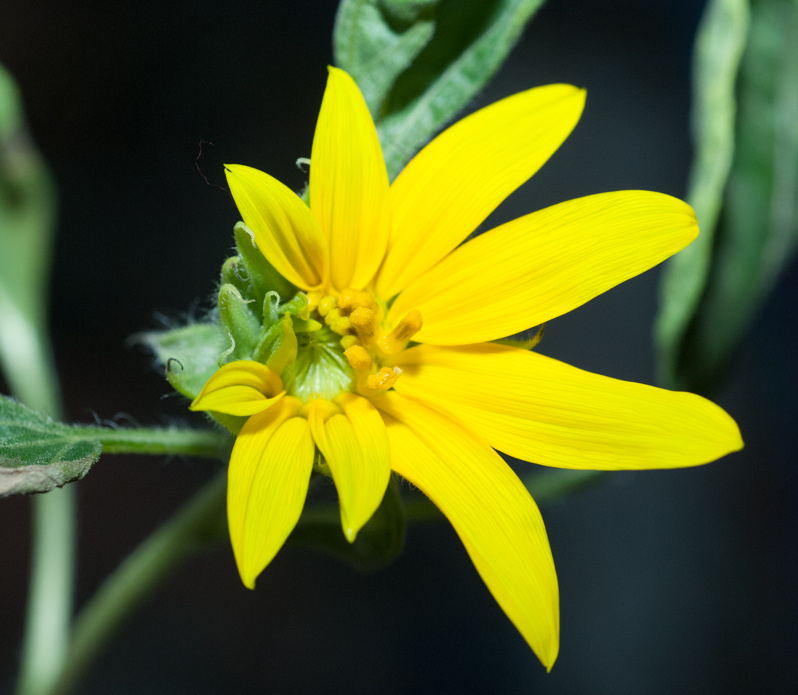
x=679 y=581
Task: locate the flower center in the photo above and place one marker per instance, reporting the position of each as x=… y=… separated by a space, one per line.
x=347 y=349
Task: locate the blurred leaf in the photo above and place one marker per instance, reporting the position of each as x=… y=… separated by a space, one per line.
x=378 y=542
x=758 y=226
x=27 y=220
x=376 y=41
x=419 y=62
x=718 y=51
x=37 y=454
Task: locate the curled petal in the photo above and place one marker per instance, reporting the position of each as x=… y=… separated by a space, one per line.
x=240 y=388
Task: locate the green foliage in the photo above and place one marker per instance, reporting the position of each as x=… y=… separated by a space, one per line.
x=27 y=221
x=712 y=294
x=38 y=454
x=441 y=53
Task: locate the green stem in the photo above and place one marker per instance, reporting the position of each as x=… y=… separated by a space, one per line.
x=32 y=377
x=189 y=530
x=50 y=593
x=154 y=441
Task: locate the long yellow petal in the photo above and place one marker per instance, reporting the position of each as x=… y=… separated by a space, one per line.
x=355 y=445
x=349 y=184
x=541 y=410
x=267 y=484
x=284 y=229
x=490 y=509
x=240 y=388
x=543 y=265
x=456 y=181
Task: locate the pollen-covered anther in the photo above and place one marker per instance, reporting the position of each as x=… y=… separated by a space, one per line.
x=397 y=339
x=326 y=304
x=384 y=379
x=364 y=321
x=359 y=359
x=352 y=299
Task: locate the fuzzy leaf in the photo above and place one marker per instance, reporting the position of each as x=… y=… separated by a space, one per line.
x=757 y=232
x=472 y=39
x=37 y=454
x=719 y=49
x=376 y=41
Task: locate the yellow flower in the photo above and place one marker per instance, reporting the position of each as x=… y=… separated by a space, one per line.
x=383 y=265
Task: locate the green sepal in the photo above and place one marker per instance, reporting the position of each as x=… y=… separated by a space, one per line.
x=378 y=543
x=261 y=274
x=239 y=322
x=277 y=348
x=38 y=454
x=234 y=272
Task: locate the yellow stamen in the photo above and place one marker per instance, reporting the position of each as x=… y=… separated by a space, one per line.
x=341 y=325
x=332 y=314
x=384 y=379
x=396 y=340
x=352 y=299
x=364 y=321
x=348 y=341
x=358 y=358
x=326 y=304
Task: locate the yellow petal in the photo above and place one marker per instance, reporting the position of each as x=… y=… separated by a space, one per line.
x=349 y=184
x=355 y=445
x=284 y=229
x=490 y=509
x=541 y=410
x=267 y=484
x=240 y=388
x=456 y=181
x=543 y=265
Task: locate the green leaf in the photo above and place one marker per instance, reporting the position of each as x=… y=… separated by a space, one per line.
x=419 y=62
x=379 y=542
x=27 y=221
x=376 y=41
x=718 y=52
x=37 y=454
x=471 y=41
x=757 y=231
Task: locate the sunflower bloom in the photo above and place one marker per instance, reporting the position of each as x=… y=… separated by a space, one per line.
x=394 y=368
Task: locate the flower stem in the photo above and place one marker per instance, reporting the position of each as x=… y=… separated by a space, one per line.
x=200 y=522
x=154 y=441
